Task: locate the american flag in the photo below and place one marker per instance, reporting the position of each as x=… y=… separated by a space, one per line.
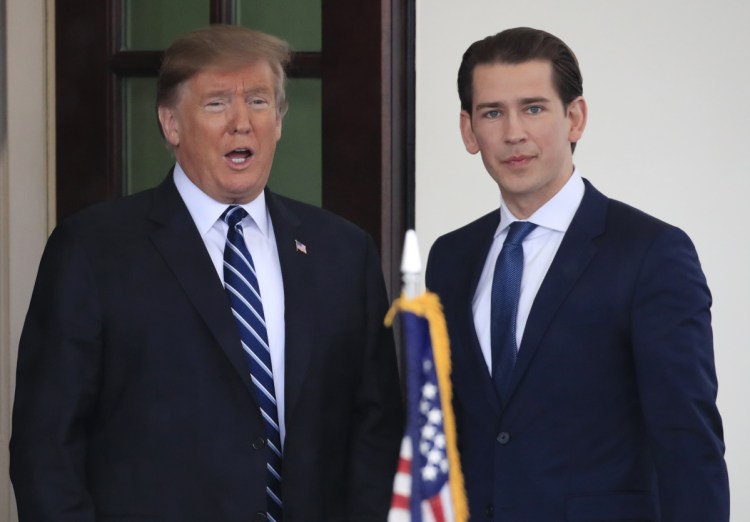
x=300 y=247
x=428 y=486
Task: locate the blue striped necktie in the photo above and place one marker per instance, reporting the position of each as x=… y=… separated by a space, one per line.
x=506 y=290
x=241 y=284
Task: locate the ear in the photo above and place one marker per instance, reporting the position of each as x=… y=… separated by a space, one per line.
x=169 y=125
x=279 y=120
x=577 y=113
x=467 y=133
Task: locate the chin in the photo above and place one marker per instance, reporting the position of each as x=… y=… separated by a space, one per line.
x=516 y=184
x=245 y=194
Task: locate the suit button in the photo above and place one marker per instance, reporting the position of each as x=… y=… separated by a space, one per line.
x=259 y=443
x=489 y=510
x=260 y=517
x=503 y=438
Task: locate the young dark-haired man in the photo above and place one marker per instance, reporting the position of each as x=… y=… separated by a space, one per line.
x=580 y=327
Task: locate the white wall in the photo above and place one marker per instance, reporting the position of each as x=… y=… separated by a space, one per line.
x=669 y=128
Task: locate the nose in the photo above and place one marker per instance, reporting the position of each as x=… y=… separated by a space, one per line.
x=514 y=129
x=240 y=118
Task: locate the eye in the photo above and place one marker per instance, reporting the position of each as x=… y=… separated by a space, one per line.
x=491 y=115
x=258 y=102
x=214 y=105
x=535 y=109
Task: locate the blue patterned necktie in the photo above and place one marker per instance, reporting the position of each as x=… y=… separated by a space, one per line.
x=506 y=290
x=241 y=284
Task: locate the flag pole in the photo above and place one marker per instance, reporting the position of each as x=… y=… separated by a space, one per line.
x=411 y=266
x=428 y=478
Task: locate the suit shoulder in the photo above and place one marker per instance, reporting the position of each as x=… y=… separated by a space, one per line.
x=477 y=228
x=620 y=210
x=111 y=218
x=312 y=217
x=633 y=221
x=599 y=214
x=456 y=250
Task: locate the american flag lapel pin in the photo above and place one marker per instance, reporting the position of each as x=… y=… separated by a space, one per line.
x=300 y=247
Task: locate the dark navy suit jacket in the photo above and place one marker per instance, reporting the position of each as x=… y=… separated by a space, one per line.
x=134 y=400
x=612 y=413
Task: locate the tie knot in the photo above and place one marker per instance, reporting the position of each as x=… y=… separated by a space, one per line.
x=518 y=231
x=233 y=215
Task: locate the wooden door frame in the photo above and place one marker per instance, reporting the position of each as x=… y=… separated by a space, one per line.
x=370 y=149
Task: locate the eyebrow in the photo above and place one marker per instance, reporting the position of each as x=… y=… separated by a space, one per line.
x=230 y=92
x=522 y=101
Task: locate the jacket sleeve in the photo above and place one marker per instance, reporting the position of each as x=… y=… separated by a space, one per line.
x=56 y=388
x=674 y=360
x=378 y=423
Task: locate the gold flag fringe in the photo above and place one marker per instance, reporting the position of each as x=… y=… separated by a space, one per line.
x=428 y=306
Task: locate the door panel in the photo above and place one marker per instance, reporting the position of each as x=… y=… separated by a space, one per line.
x=146 y=159
x=297 y=169
x=152 y=24
x=296 y=21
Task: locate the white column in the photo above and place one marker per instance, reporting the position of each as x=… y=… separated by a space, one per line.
x=24 y=190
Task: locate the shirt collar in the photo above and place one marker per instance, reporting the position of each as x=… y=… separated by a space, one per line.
x=555 y=214
x=206 y=211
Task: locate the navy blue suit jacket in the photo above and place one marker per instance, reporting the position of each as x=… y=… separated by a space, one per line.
x=134 y=400
x=612 y=412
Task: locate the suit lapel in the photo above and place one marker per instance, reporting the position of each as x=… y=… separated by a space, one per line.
x=464 y=336
x=182 y=248
x=575 y=253
x=299 y=298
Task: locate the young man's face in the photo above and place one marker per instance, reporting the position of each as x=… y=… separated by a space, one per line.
x=520 y=128
x=224 y=129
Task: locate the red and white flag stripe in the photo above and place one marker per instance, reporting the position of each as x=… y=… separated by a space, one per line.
x=438 y=508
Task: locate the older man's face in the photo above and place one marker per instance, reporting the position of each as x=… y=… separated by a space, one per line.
x=224 y=129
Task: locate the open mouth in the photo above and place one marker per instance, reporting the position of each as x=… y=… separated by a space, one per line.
x=239 y=156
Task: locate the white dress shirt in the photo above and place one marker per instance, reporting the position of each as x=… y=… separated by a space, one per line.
x=539 y=249
x=261 y=242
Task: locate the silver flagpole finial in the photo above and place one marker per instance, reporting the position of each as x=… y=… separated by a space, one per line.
x=411 y=265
